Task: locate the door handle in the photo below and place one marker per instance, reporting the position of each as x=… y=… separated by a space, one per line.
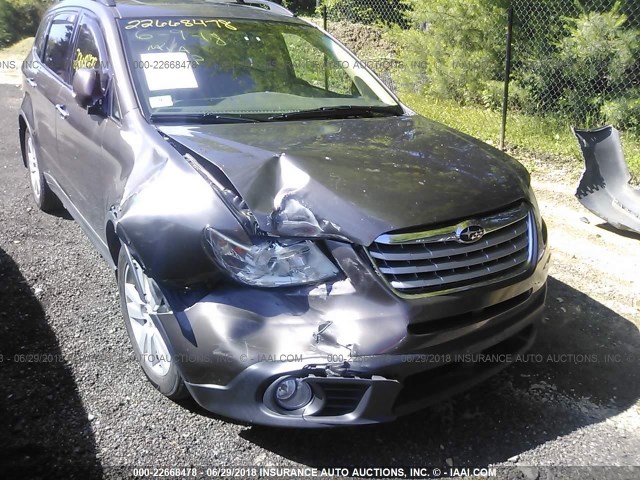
x=31 y=82
x=62 y=111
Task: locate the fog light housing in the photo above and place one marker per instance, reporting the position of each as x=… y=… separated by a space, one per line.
x=292 y=394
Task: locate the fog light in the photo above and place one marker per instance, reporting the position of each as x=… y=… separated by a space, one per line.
x=292 y=394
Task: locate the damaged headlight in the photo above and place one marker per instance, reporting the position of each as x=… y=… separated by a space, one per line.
x=271 y=263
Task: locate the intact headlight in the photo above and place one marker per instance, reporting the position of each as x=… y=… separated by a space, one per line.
x=271 y=263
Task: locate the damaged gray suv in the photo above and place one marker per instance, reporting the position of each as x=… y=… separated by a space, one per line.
x=293 y=245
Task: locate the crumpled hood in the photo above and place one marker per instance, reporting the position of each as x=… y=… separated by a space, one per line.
x=357 y=178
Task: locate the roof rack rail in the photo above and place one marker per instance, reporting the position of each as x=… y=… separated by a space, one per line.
x=108 y=3
x=266 y=4
x=271 y=6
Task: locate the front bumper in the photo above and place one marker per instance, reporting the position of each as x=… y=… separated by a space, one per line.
x=368 y=355
x=341 y=400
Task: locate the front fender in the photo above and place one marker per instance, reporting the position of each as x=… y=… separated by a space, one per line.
x=162 y=221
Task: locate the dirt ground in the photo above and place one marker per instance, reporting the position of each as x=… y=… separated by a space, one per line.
x=11 y=59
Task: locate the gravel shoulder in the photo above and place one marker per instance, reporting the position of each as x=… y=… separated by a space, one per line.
x=91 y=407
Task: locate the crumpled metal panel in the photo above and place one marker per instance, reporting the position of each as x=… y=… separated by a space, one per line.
x=164 y=209
x=604 y=187
x=356 y=180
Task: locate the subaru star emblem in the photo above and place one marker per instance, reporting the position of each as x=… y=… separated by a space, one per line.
x=470 y=234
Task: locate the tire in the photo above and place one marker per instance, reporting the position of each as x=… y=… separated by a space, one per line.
x=148 y=342
x=44 y=198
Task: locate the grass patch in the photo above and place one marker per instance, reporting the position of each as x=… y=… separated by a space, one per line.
x=547 y=136
x=19 y=49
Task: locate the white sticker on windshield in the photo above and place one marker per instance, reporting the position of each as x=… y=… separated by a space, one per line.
x=161 y=101
x=168 y=71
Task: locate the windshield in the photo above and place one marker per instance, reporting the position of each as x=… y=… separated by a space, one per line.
x=223 y=69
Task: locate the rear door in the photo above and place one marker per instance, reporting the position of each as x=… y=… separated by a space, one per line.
x=45 y=78
x=34 y=102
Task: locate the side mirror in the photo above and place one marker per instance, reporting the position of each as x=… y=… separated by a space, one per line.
x=86 y=87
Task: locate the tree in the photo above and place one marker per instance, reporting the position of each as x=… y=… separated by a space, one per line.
x=458 y=46
x=20 y=18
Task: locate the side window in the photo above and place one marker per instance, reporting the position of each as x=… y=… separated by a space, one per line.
x=40 y=37
x=87 y=54
x=90 y=51
x=309 y=65
x=57 y=51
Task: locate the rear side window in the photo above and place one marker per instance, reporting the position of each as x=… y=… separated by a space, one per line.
x=57 y=51
x=40 y=37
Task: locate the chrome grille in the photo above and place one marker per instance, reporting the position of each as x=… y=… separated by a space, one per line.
x=436 y=261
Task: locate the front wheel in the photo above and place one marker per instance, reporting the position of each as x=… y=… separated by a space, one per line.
x=149 y=345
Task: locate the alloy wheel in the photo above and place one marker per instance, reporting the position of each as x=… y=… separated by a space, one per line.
x=151 y=345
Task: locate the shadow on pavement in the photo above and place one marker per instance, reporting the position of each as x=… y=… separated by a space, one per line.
x=588 y=373
x=44 y=429
x=623 y=233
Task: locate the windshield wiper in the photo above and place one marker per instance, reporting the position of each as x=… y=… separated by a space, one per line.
x=206 y=118
x=341 y=111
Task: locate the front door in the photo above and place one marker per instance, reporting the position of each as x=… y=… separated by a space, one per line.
x=81 y=130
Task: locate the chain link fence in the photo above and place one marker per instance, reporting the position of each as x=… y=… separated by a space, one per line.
x=369 y=12
x=576 y=60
